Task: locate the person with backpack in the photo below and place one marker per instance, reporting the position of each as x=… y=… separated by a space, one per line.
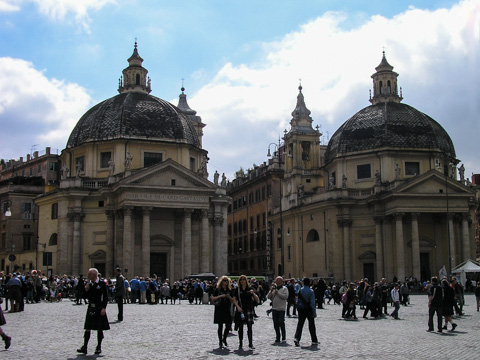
x=306 y=310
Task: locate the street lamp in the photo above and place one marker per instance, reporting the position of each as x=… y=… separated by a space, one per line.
x=282 y=250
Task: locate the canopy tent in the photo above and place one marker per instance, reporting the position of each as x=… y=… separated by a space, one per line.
x=462 y=269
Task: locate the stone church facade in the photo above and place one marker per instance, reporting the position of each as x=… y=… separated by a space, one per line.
x=381 y=200
x=134 y=190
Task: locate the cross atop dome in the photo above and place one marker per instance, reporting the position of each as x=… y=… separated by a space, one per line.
x=134 y=77
x=385 y=83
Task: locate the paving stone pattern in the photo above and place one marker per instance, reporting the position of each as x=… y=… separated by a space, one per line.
x=55 y=331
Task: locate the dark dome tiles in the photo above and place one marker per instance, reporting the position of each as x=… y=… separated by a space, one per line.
x=388 y=125
x=133 y=115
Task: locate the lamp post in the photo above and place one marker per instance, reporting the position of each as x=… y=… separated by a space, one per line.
x=448 y=220
x=282 y=250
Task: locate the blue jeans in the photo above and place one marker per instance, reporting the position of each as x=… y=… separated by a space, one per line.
x=395 y=312
x=279 y=324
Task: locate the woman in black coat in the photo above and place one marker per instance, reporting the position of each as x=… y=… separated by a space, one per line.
x=222 y=299
x=244 y=298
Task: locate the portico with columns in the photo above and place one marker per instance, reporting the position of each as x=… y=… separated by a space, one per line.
x=170 y=231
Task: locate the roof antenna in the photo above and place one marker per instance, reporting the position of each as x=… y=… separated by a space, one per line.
x=183 y=87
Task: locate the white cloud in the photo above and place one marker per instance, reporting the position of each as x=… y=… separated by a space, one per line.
x=48 y=108
x=436 y=54
x=9 y=5
x=60 y=10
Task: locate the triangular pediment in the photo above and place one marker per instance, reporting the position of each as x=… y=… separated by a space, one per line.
x=433 y=182
x=168 y=174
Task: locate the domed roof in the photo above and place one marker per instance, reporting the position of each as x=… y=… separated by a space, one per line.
x=133 y=115
x=388 y=125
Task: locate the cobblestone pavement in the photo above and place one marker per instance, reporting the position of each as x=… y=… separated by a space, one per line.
x=55 y=331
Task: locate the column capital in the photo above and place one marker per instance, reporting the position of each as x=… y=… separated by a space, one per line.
x=187 y=212
x=203 y=213
x=465 y=216
x=218 y=220
x=378 y=219
x=414 y=215
x=398 y=215
x=110 y=214
x=127 y=210
x=146 y=210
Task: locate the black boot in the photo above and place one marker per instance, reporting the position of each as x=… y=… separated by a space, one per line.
x=86 y=338
x=7 y=340
x=98 y=349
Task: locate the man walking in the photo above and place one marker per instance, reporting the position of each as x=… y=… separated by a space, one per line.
x=119 y=292
x=396 y=300
x=435 y=304
x=306 y=310
x=96 y=318
x=278 y=294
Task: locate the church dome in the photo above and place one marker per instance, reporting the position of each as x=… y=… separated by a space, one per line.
x=389 y=125
x=133 y=115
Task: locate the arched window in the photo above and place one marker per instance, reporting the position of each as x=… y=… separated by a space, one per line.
x=53 y=239
x=389 y=87
x=313 y=236
x=381 y=87
x=137 y=79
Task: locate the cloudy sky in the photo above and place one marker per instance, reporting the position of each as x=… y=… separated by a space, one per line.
x=241 y=62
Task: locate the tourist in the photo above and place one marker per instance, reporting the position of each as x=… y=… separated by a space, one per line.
x=222 y=300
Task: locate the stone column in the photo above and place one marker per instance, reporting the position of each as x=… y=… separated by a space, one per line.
x=128 y=245
x=219 y=256
x=118 y=240
x=465 y=236
x=347 y=257
x=451 y=236
x=146 y=241
x=187 y=242
x=77 y=244
x=400 y=254
x=110 y=243
x=205 y=243
x=415 y=247
x=379 y=258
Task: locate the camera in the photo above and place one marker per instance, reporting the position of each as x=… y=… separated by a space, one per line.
x=274 y=287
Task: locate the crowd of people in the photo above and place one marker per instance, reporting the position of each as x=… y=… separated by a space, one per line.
x=235 y=300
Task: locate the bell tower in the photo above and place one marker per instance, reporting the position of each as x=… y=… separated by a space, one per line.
x=302 y=151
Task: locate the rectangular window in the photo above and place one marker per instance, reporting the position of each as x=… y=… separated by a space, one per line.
x=47 y=259
x=412 y=168
x=4 y=240
x=27 y=239
x=53 y=166
x=105 y=157
x=289 y=255
x=192 y=164
x=150 y=158
x=55 y=211
x=39 y=168
x=364 y=171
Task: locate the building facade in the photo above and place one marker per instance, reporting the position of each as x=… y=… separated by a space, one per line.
x=21 y=181
x=254 y=195
x=381 y=200
x=134 y=189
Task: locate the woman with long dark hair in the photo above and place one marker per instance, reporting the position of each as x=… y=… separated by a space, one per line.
x=244 y=299
x=222 y=298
